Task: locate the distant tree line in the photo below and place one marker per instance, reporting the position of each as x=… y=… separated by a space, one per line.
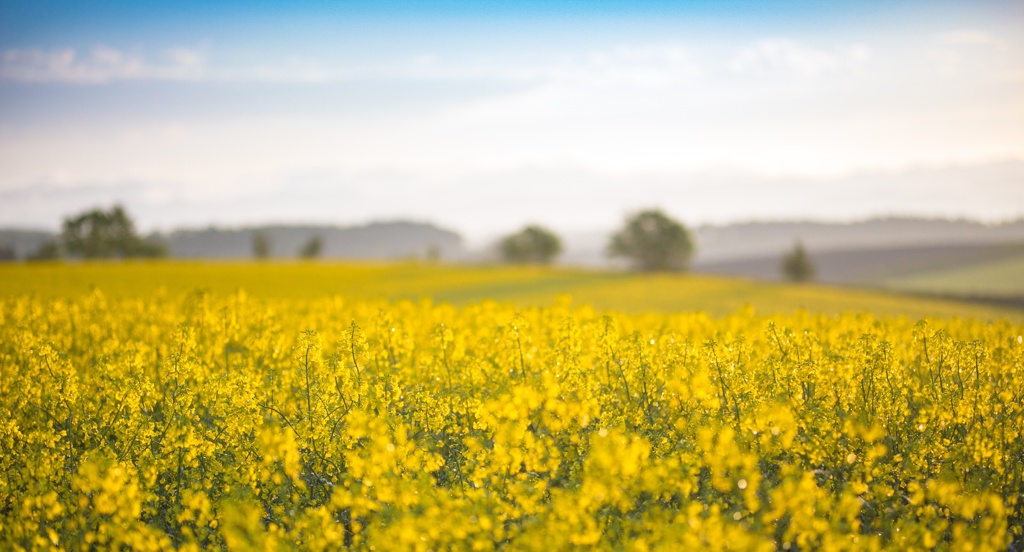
x=650 y=241
x=111 y=234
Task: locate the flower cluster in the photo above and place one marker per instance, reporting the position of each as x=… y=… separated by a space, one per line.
x=215 y=421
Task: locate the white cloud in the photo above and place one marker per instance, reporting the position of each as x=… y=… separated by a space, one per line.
x=102 y=64
x=775 y=56
x=649 y=64
x=969 y=37
x=975 y=54
x=642 y=64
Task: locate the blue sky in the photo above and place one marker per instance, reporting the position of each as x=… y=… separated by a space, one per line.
x=483 y=116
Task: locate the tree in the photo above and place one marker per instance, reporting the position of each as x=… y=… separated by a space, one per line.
x=47 y=251
x=260 y=244
x=312 y=248
x=99 y=234
x=796 y=266
x=653 y=242
x=531 y=245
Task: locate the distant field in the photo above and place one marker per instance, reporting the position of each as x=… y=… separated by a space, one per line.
x=874 y=266
x=718 y=296
x=999 y=278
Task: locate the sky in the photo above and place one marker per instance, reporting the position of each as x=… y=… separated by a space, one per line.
x=484 y=116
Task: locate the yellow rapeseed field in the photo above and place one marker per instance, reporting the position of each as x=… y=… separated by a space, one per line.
x=382 y=407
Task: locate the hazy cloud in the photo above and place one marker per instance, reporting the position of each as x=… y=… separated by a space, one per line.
x=977 y=54
x=783 y=56
x=969 y=37
x=484 y=204
x=100 y=65
x=640 y=64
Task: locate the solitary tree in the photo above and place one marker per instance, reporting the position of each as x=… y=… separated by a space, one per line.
x=312 y=248
x=796 y=266
x=260 y=245
x=100 y=234
x=531 y=245
x=653 y=241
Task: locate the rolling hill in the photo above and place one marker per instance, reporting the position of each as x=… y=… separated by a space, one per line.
x=875 y=266
x=376 y=240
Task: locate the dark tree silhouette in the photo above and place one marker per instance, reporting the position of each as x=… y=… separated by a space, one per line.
x=531 y=245
x=796 y=266
x=653 y=241
x=312 y=248
x=260 y=244
x=99 y=234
